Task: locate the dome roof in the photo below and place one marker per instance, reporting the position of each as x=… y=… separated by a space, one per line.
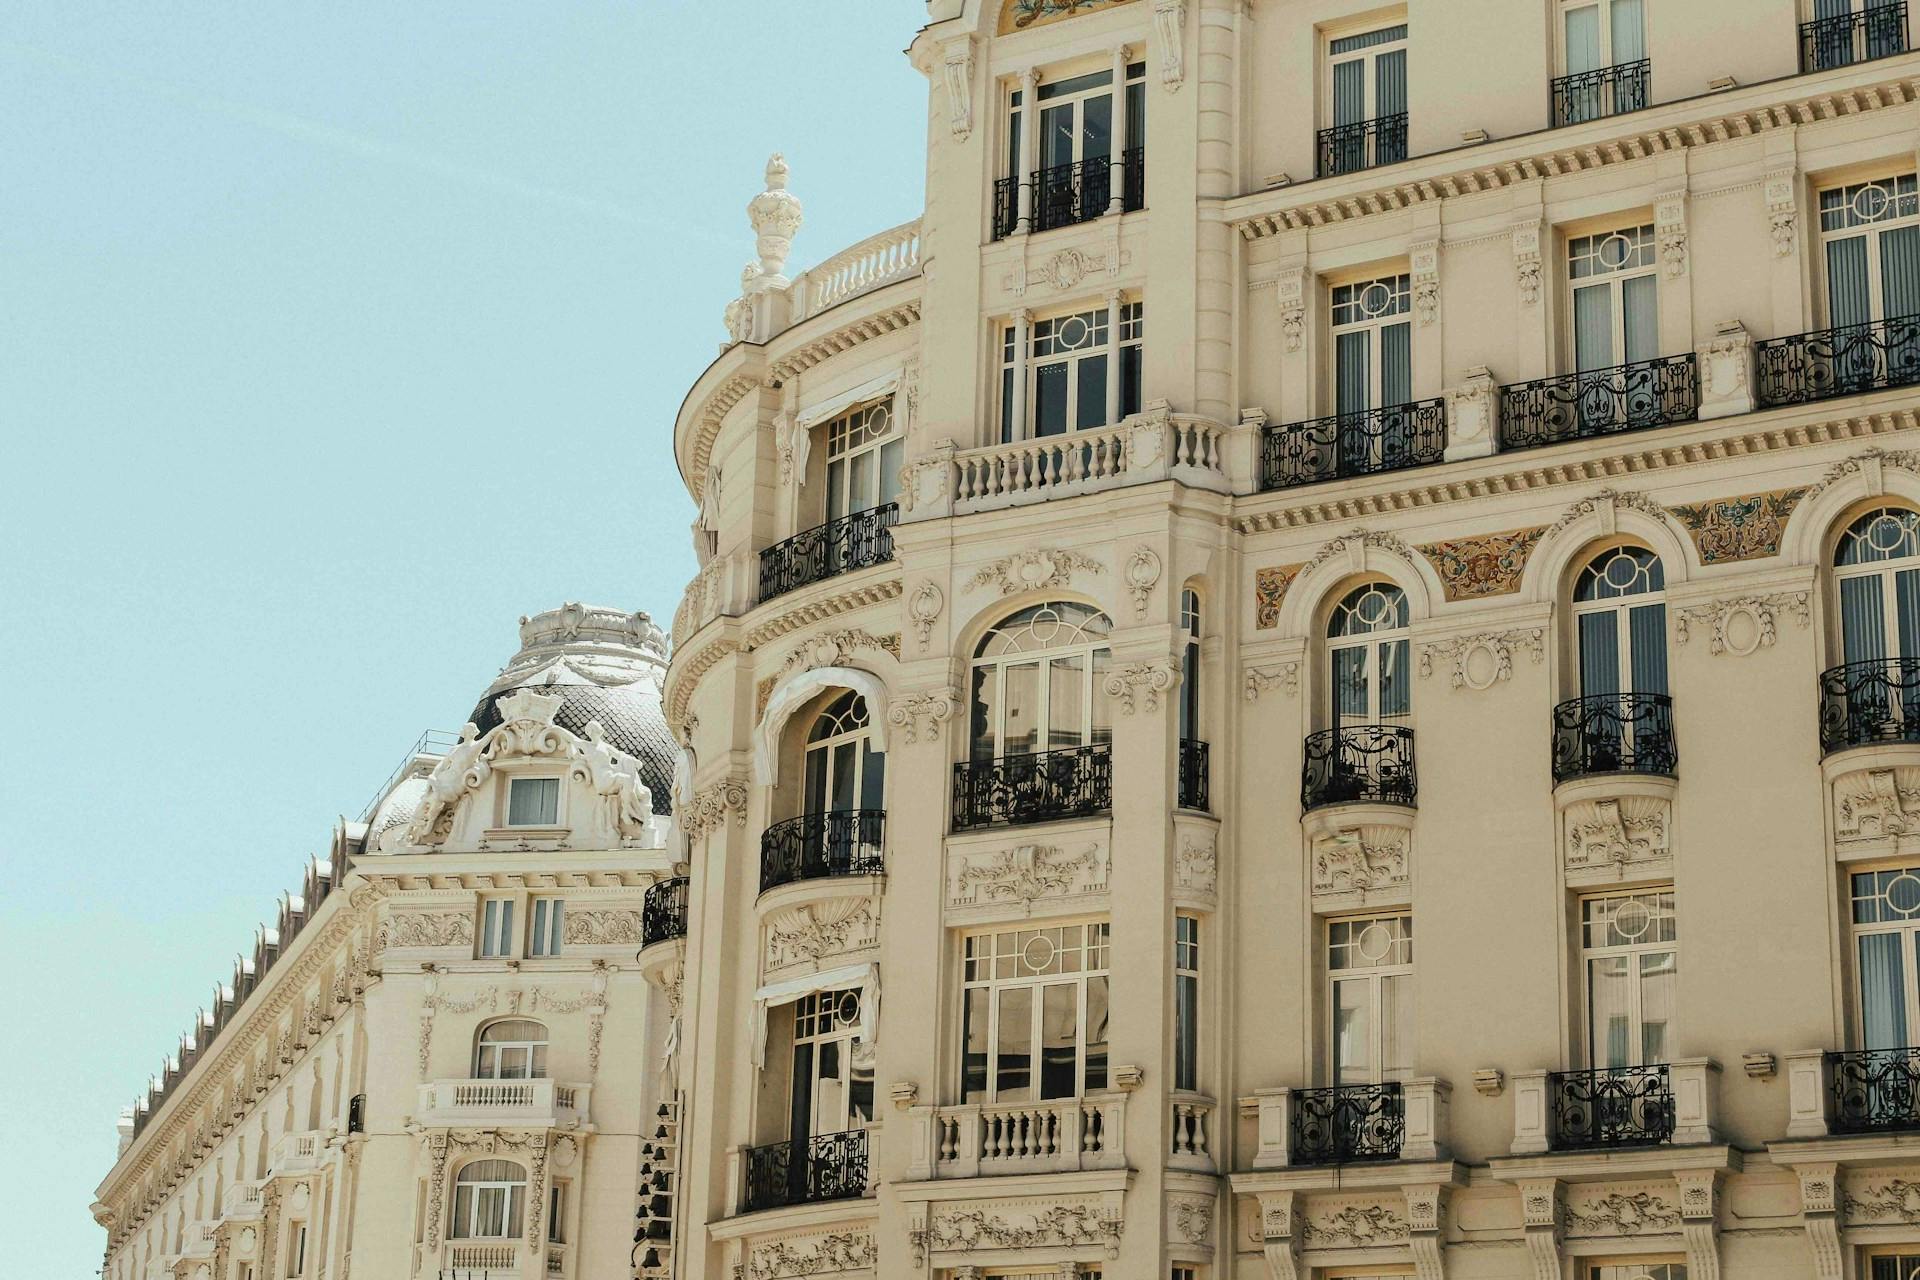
x=606 y=665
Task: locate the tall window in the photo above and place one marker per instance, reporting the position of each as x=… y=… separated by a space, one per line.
x=1076 y=126
x=1368 y=77
x=1835 y=41
x=1621 y=617
x=1616 y=306
x=1186 y=1003
x=863 y=460
x=548 y=920
x=1190 y=664
x=1877 y=568
x=1039 y=682
x=511 y=1049
x=297 y=1250
x=1870 y=233
x=488 y=1198
x=1901 y=1265
x=1035 y=1013
x=831 y=1092
x=1370 y=996
x=1066 y=370
x=496 y=928
x=1640 y=1271
x=1372 y=344
x=533 y=802
x=1596 y=35
x=1631 y=948
x=843 y=769
x=1886 y=919
x=556 y=1212
x=1368 y=652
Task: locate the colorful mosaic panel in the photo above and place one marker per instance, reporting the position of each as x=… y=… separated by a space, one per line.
x=1018 y=15
x=1743 y=528
x=1490 y=565
x=1269 y=590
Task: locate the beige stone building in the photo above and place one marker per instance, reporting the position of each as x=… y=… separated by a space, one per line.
x=1316 y=673
x=442 y=1059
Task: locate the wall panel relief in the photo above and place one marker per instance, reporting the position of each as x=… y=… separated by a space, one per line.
x=1876 y=812
x=818 y=932
x=1363 y=866
x=1014 y=881
x=1618 y=839
x=1746 y=527
x=1488 y=565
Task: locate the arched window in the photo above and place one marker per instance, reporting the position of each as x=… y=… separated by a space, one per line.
x=1620 y=616
x=843 y=770
x=832 y=1087
x=1877 y=569
x=1367 y=651
x=511 y=1049
x=489 y=1197
x=1039 y=682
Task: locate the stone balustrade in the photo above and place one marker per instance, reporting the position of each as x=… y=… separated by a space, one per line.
x=241 y=1202
x=484 y=1256
x=534 y=1103
x=1190 y=1142
x=893 y=254
x=296 y=1153
x=1062 y=1135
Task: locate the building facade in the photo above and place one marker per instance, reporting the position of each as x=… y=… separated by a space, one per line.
x=1312 y=674
x=442 y=1058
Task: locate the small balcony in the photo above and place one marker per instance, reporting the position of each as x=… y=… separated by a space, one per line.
x=1038 y=786
x=1600 y=402
x=663 y=912
x=858 y=541
x=1195 y=775
x=816 y=846
x=241 y=1202
x=1871 y=703
x=1354 y=444
x=1846 y=360
x=296 y=1153
x=482 y=1258
x=828 y=1166
x=1603 y=92
x=1358 y=764
x=1351 y=1124
x=1874 y=1090
x=1066 y=194
x=983 y=1140
x=535 y=1104
x=1610 y=1107
x=1875 y=31
x=1614 y=733
x=1365 y=144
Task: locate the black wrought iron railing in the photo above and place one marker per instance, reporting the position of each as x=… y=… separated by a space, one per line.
x=1842 y=361
x=1874 y=1090
x=1600 y=402
x=1039 y=786
x=1360 y=762
x=1605 y=91
x=1863 y=703
x=1610 y=1107
x=1875 y=31
x=1347 y=1122
x=828 y=1166
x=1006 y=207
x=1354 y=444
x=858 y=541
x=814 y=846
x=663 y=912
x=1065 y=194
x=1614 y=733
x=1195 y=783
x=1365 y=144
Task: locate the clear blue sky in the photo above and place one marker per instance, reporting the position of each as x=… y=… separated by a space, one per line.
x=334 y=337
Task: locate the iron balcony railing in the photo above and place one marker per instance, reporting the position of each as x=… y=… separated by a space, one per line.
x=1876 y=31
x=1875 y=1090
x=1006 y=207
x=1842 y=361
x=1600 y=402
x=1039 y=786
x=1614 y=733
x=1195 y=784
x=1065 y=194
x=858 y=541
x=828 y=1166
x=1354 y=444
x=1364 y=144
x=1605 y=91
x=1610 y=1107
x=815 y=846
x=663 y=912
x=1863 y=703
x=1348 y=1122
x=1360 y=762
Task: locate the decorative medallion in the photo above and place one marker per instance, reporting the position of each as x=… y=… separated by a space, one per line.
x=1743 y=528
x=1480 y=660
x=1034 y=569
x=1742 y=626
x=1488 y=565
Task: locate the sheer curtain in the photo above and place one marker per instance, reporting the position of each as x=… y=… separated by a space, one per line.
x=1863 y=628
x=1593 y=328
x=1610 y=995
x=1599 y=654
x=1647 y=625
x=1848 y=293
x=1583 y=39
x=1883 y=991
x=1641 y=299
x=1629 y=35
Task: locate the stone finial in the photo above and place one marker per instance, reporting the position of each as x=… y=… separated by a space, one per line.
x=775 y=215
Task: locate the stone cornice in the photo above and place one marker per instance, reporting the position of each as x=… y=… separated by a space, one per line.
x=1271 y=213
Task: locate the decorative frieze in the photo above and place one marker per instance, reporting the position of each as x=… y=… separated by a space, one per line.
x=431 y=929
x=1744 y=625
x=968 y=1227
x=1354 y=1225
x=1196 y=863
x=1014 y=880
x=1365 y=865
x=1018 y=15
x=789 y=1258
x=711 y=805
x=1478 y=661
x=1033 y=570
x=1875 y=810
x=819 y=931
x=1612 y=1211
x=1142 y=681
x=601 y=926
x=1285 y=677
x=1617 y=838
x=1488 y=565
x=1747 y=527
x=1882 y=1199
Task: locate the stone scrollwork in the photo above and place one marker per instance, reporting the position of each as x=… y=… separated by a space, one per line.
x=1285 y=677
x=1196 y=865
x=1034 y=569
x=1144 y=680
x=1880 y=1200
x=828 y=649
x=601 y=927
x=1743 y=626
x=1142 y=572
x=816 y=931
x=1291 y=288
x=1670 y=224
x=1190 y=1219
x=1606 y=504
x=1615 y=837
x=956 y=74
x=710 y=806
x=1354 y=1226
x=1024 y=1227
x=1425 y=263
x=834 y=1254
x=1169 y=25
x=920 y=715
x=1270 y=592
x=432 y=929
x=1365 y=860
x=1875 y=806
x=1026 y=874
x=1478 y=661
x=1623 y=1213
x=1487 y=565
x=924 y=606
x=1526 y=263
x=1783 y=211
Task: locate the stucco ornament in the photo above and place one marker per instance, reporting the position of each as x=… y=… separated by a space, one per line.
x=1783 y=212
x=615 y=778
x=1878 y=1200
x=462 y=769
x=956 y=74
x=1284 y=677
x=1526 y=263
x=1290 y=288
x=1142 y=573
x=968 y=1230
x=1029 y=872
x=775 y=215
x=920 y=715
x=1478 y=661
x=1370 y=858
x=1355 y=1226
x=1616 y=833
x=711 y=805
x=1743 y=626
x=1169 y=28
x=924 y=606
x=1034 y=569
x=1623 y=1213
x=833 y=1254
x=1145 y=681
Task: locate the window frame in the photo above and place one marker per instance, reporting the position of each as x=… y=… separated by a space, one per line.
x=1610 y=58
x=1374 y=977
x=551 y=787
x=1094 y=961
x=1634 y=952
x=511 y=1208
x=1887 y=570
x=1093 y=649
x=1905 y=928
x=1370 y=54
x=496 y=940
x=850 y=435
x=868 y=760
x=1622 y=608
x=1642 y=262
x=1187 y=961
x=1190 y=705
x=1127 y=346
x=1371 y=642
x=534 y=1053
x=1905 y=189
x=546 y=926
x=820 y=1014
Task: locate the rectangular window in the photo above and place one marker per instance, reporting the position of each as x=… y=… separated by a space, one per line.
x=1366 y=101
x=1903 y=1265
x=1075 y=151
x=1372 y=347
x=1067 y=371
x=496 y=928
x=1186 y=1003
x=1886 y=917
x=544 y=939
x=1370 y=998
x=556 y=1210
x=1640 y=1271
x=863 y=460
x=832 y=1083
x=1036 y=1013
x=297 y=1250
x=1614 y=282
x=1631 y=952
x=1870 y=237
x=533 y=802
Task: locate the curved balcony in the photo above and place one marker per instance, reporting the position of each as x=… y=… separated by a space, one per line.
x=1876 y=31
x=1846 y=360
x=1614 y=733
x=818 y=846
x=1347 y=1123
x=1869 y=703
x=663 y=913
x=1366 y=443
x=1875 y=1090
x=857 y=541
x=1611 y=1107
x=1600 y=402
x=1036 y=786
x=1358 y=764
x=828 y=1166
x=1603 y=92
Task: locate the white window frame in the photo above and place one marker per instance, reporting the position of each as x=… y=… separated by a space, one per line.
x=1633 y=951
x=1633 y=1269
x=546 y=926
x=1608 y=57
x=1190 y=663
x=1617 y=255
x=1094 y=651
x=1887 y=571
x=297 y=1249
x=496 y=940
x=552 y=788
x=856 y=732
x=1393 y=931
x=823 y=1018
x=1099 y=85
x=1371 y=642
x=1372 y=304
x=1186 y=971
x=556 y=1211
x=1050 y=331
x=1621 y=607
x=510 y=1205
x=869 y=430
x=1858 y=212
x=980 y=950
x=529 y=1055
x=1370 y=55
x=1905 y=926
x=1905 y=1257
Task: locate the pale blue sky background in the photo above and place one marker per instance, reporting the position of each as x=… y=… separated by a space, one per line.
x=333 y=337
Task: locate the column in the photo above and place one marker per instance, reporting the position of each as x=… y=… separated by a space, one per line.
x=1029 y=150
x=1022 y=345
x=1113 y=355
x=1117 y=146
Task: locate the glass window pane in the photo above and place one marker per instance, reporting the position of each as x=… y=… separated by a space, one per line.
x=846 y=755
x=1350 y=684
x=1013 y=1054
x=1186 y=1032
x=986 y=713
x=1883 y=991
x=1593 y=328
x=1640 y=298
x=1396 y=364
x=1629 y=44
x=1056 y=135
x=1353 y=377
x=1609 y=997
x=1050 y=399
x=1059 y=1039
x=1583 y=39
x=1097 y=1015
x=1394 y=692
x=973 y=1063
x=1647 y=627
x=1900 y=272
x=1390 y=87
x=1599 y=654
x=1090 y=409
x=1020 y=725
x=861 y=492
x=1066 y=691
x=1849 y=299
x=1350 y=91
x=1352 y=1032
x=1096 y=128
x=1863 y=619
x=830 y=1102
x=1658 y=977
x=1100 y=721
